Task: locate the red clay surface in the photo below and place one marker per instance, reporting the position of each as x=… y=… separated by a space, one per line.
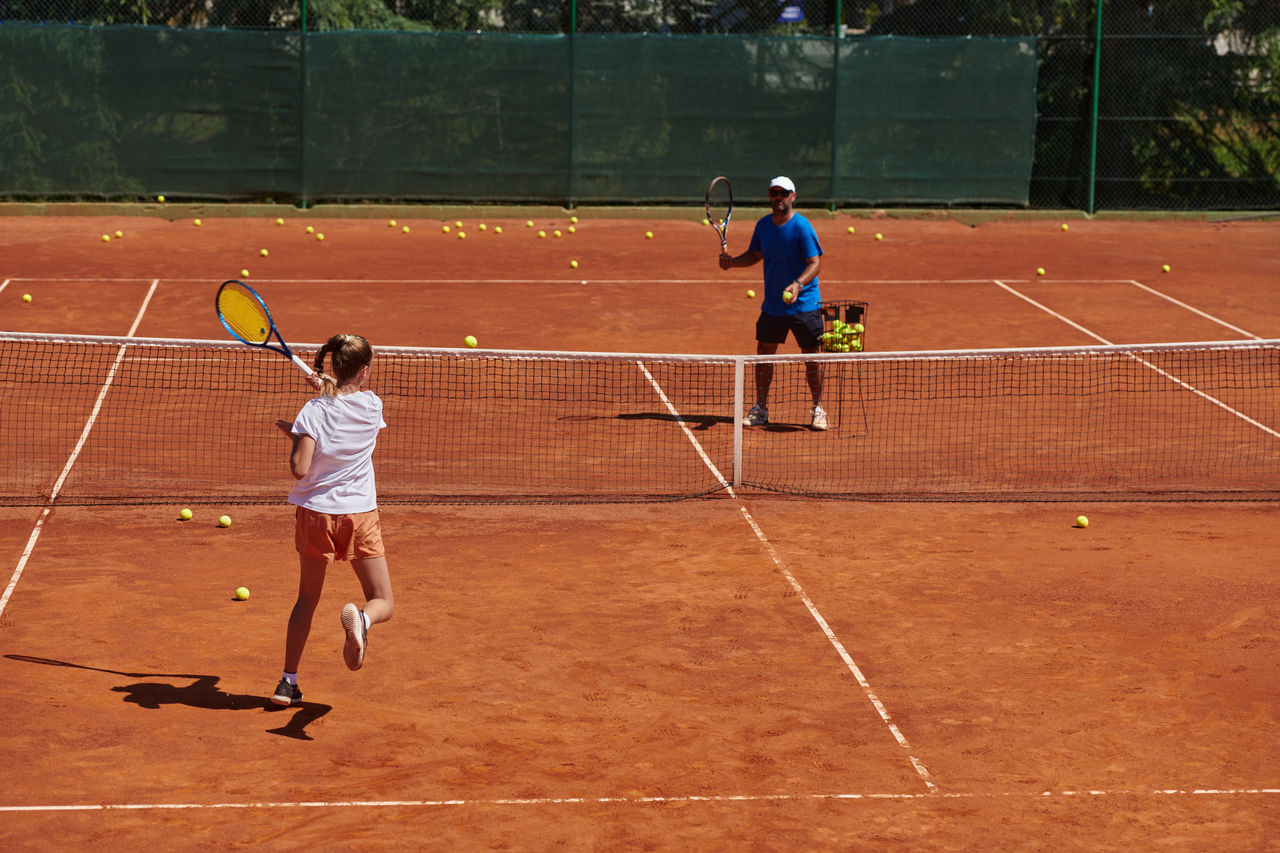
x=651 y=677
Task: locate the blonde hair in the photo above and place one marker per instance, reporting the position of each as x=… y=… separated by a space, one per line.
x=347 y=355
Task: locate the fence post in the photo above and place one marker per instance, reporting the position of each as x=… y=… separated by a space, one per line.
x=1097 y=84
x=302 y=110
x=573 y=28
x=835 y=99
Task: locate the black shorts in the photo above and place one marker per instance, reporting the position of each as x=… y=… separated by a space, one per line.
x=806 y=326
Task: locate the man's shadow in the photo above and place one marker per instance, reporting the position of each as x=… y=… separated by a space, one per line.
x=202 y=692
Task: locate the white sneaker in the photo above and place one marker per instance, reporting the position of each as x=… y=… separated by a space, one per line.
x=819 y=418
x=758 y=416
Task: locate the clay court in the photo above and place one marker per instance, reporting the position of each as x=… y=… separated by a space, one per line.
x=733 y=672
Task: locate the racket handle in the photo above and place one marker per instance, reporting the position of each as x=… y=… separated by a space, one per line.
x=302 y=365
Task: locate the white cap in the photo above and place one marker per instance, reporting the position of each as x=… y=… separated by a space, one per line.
x=784 y=182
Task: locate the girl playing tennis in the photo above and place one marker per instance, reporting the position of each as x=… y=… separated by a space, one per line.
x=337 y=503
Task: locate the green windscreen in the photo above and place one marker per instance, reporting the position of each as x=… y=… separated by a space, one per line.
x=120 y=111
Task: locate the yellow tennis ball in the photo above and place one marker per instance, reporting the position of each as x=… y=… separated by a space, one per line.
x=319 y=236
x=787 y=296
x=1082 y=521
x=1165 y=268
x=706 y=221
x=497 y=229
x=573 y=264
x=462 y=235
x=106 y=238
x=160 y=199
x=196 y=222
x=457 y=224
x=1039 y=270
x=311 y=229
x=445 y=229
x=26 y=297
x=244 y=273
x=279 y=221
x=556 y=232
x=1065 y=227
x=121 y=234
x=224 y=521
x=751 y=294
x=263 y=252
x=573 y=219
x=483 y=227
x=470 y=340
x=391 y=223
x=879 y=236
x=573 y=229
x=648 y=235
x=404 y=228
x=185 y=515
x=851 y=229
x=542 y=233
x=242 y=593
x=528 y=223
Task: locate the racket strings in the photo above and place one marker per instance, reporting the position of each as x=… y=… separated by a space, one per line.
x=244 y=315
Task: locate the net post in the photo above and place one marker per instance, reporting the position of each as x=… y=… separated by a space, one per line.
x=739 y=371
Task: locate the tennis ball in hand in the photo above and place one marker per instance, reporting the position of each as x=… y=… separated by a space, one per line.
x=26 y=297
x=470 y=340
x=185 y=515
x=787 y=296
x=242 y=593
x=224 y=521
x=1082 y=521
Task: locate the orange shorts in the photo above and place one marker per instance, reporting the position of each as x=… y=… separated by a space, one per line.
x=338 y=537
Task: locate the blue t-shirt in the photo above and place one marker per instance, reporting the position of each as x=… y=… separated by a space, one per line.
x=786 y=251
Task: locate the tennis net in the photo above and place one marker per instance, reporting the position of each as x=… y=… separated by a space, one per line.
x=98 y=420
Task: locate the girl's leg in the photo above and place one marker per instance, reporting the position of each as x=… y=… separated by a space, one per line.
x=375 y=580
x=310 y=584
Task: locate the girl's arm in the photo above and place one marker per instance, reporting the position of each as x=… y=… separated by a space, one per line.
x=303 y=447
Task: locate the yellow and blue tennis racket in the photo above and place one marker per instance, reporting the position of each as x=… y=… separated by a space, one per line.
x=245 y=316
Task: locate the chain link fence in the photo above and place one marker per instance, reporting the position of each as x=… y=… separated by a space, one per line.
x=1162 y=104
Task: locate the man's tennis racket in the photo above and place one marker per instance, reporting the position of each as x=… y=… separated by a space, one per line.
x=245 y=316
x=720 y=208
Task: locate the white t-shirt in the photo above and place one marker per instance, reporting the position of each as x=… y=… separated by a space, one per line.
x=345 y=429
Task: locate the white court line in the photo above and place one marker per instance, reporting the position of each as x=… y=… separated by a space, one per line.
x=1193 y=310
x=1210 y=398
x=642 y=800
x=852 y=666
x=75 y=454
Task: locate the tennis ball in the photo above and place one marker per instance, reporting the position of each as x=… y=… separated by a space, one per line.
x=573 y=264
x=572 y=229
x=242 y=593
x=528 y=223
x=196 y=222
x=311 y=230
x=1082 y=521
x=160 y=199
x=1065 y=227
x=26 y=297
x=470 y=340
x=445 y=229
x=497 y=229
x=879 y=236
x=751 y=294
x=483 y=227
x=787 y=296
x=1039 y=270
x=391 y=223
x=1165 y=268
x=542 y=233
x=121 y=234
x=648 y=235
x=185 y=515
x=224 y=521
x=852 y=230
x=279 y=221
x=244 y=273
x=556 y=233
x=263 y=252
x=573 y=219
x=404 y=228
x=106 y=238
x=457 y=224
x=706 y=221
x=858 y=328
x=462 y=235
x=319 y=236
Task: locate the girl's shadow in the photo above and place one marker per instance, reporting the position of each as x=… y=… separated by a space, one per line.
x=202 y=692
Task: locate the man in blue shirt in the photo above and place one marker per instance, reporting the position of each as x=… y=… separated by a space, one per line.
x=788 y=245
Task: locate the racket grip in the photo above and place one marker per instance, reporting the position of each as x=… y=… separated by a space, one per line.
x=302 y=365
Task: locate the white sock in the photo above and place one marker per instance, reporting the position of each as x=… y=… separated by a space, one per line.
x=365 y=617
x=291 y=677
